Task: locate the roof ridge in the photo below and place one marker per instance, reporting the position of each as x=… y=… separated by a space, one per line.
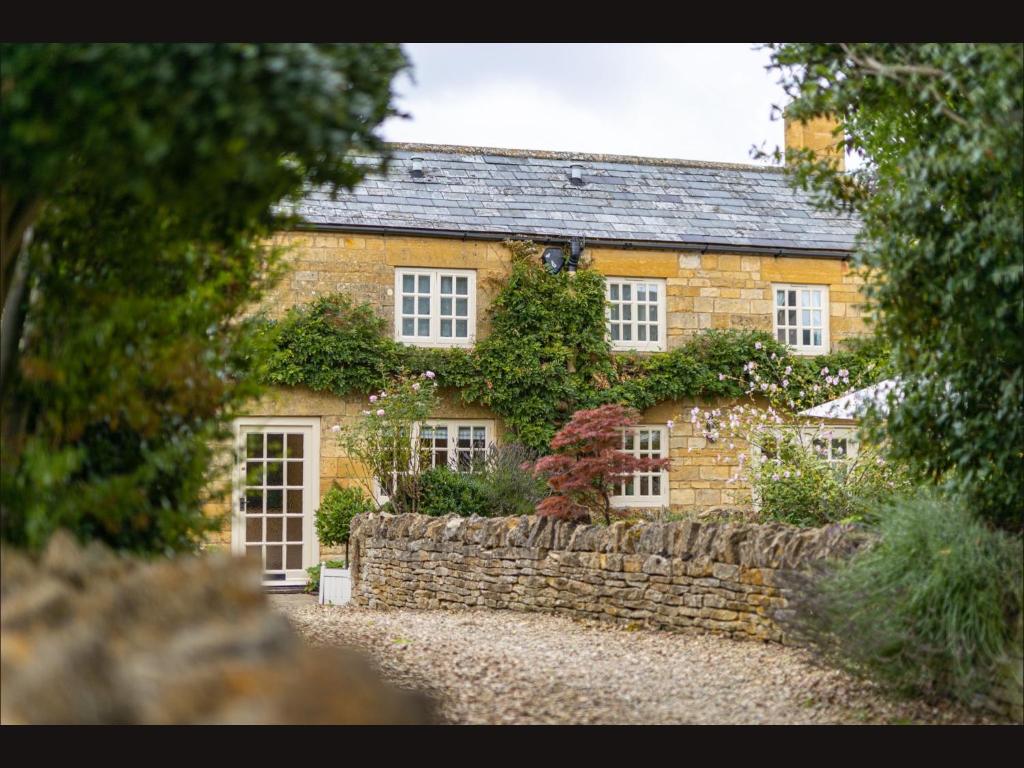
x=545 y=154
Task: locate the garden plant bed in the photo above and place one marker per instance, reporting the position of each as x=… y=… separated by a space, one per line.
x=506 y=667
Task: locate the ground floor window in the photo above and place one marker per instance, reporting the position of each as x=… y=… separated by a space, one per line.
x=644 y=489
x=458 y=444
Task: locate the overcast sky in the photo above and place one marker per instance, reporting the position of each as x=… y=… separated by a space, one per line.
x=691 y=101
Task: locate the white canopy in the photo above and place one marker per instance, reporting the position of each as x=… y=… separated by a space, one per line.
x=853 y=405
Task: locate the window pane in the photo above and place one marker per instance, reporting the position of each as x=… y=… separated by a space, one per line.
x=792 y=317
x=275 y=528
x=424 y=305
x=462 y=286
x=656 y=485
x=424 y=284
x=792 y=298
x=615 y=312
x=446 y=328
x=817 y=338
x=644 y=485
x=294 y=473
x=781 y=317
x=792 y=336
x=275 y=446
x=656 y=441
x=615 y=331
x=641 y=333
x=254 y=502
x=294 y=556
x=275 y=502
x=446 y=284
x=408 y=306
x=806 y=316
x=446 y=306
x=780 y=298
x=275 y=473
x=407 y=326
x=462 y=307
x=641 y=292
x=782 y=335
x=613 y=291
x=652 y=293
x=805 y=298
x=254 y=445
x=423 y=327
x=273 y=558
x=816 y=317
x=627 y=292
x=627 y=333
x=254 y=473
x=408 y=283
x=461 y=328
x=627 y=312
x=253 y=529
x=816 y=298
x=807 y=337
x=294 y=502
x=654 y=333
x=641 y=312
x=294 y=446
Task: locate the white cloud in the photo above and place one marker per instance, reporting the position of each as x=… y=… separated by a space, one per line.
x=702 y=102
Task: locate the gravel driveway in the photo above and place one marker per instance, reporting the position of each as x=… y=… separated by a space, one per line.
x=508 y=667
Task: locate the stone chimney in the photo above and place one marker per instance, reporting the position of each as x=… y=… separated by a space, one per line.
x=816 y=135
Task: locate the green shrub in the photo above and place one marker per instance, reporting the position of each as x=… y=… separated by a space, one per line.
x=443 y=492
x=933 y=608
x=798 y=486
x=336 y=511
x=508 y=483
x=313 y=582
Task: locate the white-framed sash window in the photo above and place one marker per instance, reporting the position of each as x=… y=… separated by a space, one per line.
x=435 y=307
x=800 y=317
x=644 y=489
x=636 y=313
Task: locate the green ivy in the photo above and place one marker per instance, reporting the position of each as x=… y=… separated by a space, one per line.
x=546 y=356
x=331 y=345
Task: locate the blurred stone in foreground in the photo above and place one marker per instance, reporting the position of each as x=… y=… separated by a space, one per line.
x=89 y=636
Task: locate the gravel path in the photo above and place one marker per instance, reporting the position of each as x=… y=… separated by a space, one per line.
x=508 y=667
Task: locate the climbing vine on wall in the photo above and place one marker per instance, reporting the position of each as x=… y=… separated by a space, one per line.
x=546 y=355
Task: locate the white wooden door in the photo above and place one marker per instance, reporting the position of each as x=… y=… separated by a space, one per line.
x=276 y=492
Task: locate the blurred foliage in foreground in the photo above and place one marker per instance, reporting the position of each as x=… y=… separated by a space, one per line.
x=138 y=188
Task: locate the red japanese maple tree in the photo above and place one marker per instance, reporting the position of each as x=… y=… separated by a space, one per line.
x=587 y=463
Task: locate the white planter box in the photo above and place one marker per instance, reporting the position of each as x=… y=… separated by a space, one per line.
x=335 y=586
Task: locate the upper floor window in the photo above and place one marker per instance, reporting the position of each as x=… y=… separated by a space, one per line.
x=636 y=316
x=801 y=317
x=644 y=489
x=435 y=307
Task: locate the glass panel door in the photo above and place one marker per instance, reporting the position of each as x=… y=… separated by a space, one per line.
x=275 y=498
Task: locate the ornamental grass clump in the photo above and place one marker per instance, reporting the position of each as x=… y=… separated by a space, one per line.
x=933 y=608
x=587 y=464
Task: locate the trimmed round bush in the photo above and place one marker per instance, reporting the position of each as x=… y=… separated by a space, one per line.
x=336 y=511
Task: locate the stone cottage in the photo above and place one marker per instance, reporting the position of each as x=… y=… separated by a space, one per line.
x=684 y=245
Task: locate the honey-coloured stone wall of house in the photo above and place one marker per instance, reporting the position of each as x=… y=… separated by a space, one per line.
x=703 y=291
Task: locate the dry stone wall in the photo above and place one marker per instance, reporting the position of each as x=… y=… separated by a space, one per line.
x=721 y=577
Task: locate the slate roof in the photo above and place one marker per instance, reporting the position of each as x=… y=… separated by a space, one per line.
x=468 y=191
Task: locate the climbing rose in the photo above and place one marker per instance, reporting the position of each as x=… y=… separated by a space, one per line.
x=380 y=412
x=428 y=374
x=373 y=398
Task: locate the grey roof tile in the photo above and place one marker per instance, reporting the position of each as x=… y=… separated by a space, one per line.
x=485 y=190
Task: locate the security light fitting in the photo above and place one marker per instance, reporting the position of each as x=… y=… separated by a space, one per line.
x=417 y=168
x=576 y=175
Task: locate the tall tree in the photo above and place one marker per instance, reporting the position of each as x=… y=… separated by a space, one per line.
x=940 y=130
x=140 y=183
